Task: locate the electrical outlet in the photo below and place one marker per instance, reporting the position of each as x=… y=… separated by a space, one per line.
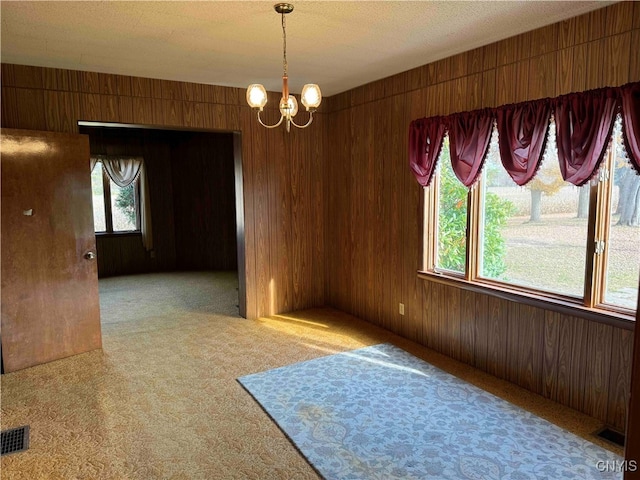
x=401 y=308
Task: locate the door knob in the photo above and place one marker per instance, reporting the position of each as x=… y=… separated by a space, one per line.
x=89 y=255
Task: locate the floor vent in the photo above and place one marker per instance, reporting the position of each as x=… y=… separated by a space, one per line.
x=15 y=440
x=611 y=436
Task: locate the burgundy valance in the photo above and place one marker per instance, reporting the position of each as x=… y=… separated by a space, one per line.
x=469 y=136
x=425 y=143
x=631 y=123
x=522 y=134
x=584 y=122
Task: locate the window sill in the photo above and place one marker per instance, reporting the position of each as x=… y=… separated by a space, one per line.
x=132 y=233
x=615 y=319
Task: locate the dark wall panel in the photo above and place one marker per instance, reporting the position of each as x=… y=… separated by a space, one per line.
x=204 y=201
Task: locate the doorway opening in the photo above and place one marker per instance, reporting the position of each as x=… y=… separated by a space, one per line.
x=195 y=196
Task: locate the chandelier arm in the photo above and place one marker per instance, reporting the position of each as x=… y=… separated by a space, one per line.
x=306 y=124
x=270 y=126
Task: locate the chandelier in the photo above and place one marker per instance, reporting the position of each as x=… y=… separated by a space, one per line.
x=310 y=96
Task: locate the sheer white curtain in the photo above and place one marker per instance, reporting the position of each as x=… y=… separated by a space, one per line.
x=123 y=171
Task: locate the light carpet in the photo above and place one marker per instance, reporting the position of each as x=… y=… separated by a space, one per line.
x=160 y=401
x=381 y=413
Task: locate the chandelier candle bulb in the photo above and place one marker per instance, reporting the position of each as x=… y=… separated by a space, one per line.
x=310 y=96
x=256 y=96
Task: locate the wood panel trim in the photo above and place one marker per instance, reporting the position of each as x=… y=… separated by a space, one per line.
x=240 y=229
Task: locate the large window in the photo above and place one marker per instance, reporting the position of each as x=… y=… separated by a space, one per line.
x=115 y=208
x=548 y=238
x=533 y=236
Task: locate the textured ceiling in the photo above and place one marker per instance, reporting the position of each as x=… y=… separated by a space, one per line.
x=339 y=45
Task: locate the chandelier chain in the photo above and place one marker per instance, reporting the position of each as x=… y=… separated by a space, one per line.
x=284 y=46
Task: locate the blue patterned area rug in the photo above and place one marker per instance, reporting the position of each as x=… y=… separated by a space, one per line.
x=381 y=413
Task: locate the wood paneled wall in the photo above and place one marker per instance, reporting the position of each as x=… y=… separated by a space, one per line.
x=632 y=447
x=362 y=255
x=373 y=212
x=282 y=173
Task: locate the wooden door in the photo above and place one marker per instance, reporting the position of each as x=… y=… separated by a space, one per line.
x=50 y=307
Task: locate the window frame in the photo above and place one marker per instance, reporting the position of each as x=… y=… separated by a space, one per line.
x=590 y=305
x=435 y=212
x=108 y=210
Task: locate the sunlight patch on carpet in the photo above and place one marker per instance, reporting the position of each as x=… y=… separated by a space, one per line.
x=381 y=413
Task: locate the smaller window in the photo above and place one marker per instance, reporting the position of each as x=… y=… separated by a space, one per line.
x=123 y=208
x=115 y=208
